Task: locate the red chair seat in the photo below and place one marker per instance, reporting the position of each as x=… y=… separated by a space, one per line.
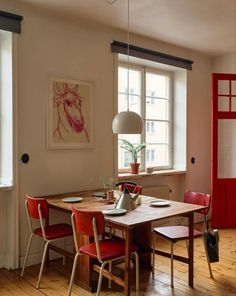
x=55 y=231
x=175 y=232
x=109 y=249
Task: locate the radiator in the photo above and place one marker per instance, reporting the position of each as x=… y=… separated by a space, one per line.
x=160 y=191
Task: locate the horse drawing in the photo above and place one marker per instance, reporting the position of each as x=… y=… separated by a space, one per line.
x=68 y=104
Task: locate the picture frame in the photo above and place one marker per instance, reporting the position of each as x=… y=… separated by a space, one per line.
x=69 y=114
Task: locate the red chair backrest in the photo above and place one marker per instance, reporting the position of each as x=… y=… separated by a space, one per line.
x=32 y=205
x=132 y=188
x=84 y=221
x=198 y=198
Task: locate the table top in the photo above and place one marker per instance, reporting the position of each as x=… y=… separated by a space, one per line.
x=144 y=213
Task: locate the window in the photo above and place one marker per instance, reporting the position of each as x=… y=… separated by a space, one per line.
x=150 y=96
x=6 y=106
x=150 y=127
x=150 y=155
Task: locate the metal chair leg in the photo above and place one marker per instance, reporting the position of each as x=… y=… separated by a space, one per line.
x=100 y=278
x=73 y=273
x=42 y=264
x=27 y=254
x=172 y=264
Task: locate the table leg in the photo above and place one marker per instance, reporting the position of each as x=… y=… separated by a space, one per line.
x=191 y=247
x=127 y=261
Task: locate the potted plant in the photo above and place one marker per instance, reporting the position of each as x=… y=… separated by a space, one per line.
x=107 y=185
x=135 y=152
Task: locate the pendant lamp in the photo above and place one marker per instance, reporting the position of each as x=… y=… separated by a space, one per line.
x=127 y=122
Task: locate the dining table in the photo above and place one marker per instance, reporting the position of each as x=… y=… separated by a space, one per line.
x=136 y=225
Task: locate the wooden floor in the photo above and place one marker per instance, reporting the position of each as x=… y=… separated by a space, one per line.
x=55 y=278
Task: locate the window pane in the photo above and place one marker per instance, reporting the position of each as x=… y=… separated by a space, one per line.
x=151 y=156
x=122 y=102
x=233 y=104
x=223 y=104
x=134 y=81
x=157 y=155
x=159 y=110
x=134 y=103
x=226 y=148
x=122 y=80
x=150 y=127
x=223 y=87
x=125 y=157
x=161 y=133
x=156 y=85
x=233 y=87
x=134 y=90
x=162 y=155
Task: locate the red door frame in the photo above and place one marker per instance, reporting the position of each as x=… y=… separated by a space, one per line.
x=223 y=189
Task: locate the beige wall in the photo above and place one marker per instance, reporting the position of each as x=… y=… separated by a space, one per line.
x=51 y=46
x=225 y=64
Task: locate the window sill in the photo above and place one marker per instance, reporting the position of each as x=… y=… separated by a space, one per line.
x=6 y=186
x=124 y=176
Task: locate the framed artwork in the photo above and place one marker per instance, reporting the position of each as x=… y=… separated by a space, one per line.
x=69 y=114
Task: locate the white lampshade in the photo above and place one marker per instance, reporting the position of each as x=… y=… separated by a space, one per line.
x=127 y=122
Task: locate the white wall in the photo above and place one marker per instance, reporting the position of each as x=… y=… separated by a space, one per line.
x=51 y=46
x=199 y=125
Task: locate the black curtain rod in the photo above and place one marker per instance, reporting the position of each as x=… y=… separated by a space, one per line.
x=148 y=54
x=10 y=22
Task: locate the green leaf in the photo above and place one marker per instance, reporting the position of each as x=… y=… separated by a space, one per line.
x=135 y=150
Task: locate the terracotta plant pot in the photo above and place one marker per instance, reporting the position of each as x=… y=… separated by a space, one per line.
x=134 y=168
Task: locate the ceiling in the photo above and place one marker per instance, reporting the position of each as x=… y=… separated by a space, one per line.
x=204 y=25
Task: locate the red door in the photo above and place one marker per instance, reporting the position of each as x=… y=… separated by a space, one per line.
x=224 y=151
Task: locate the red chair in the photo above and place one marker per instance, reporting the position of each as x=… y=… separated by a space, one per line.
x=179 y=232
x=105 y=250
x=132 y=187
x=37 y=209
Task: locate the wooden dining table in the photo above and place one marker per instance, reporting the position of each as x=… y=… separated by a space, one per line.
x=136 y=226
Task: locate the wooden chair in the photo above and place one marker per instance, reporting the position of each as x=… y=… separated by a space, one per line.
x=37 y=209
x=179 y=232
x=92 y=223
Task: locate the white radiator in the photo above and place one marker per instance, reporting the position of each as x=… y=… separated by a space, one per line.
x=160 y=191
